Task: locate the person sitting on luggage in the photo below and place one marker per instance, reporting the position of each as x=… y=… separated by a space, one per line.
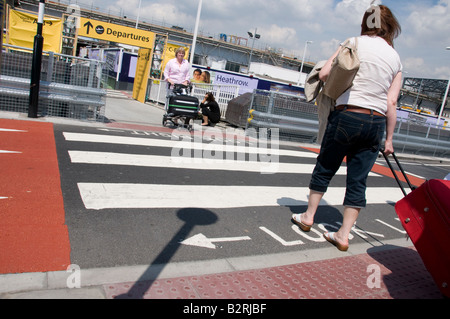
x=210 y=109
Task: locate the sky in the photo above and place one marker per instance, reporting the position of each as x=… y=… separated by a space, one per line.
x=286 y=25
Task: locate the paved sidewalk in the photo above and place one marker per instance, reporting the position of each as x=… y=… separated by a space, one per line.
x=390 y=274
x=389 y=271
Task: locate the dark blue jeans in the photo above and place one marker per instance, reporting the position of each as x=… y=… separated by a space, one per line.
x=357 y=136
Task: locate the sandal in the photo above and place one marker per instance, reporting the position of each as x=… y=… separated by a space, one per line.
x=297 y=219
x=330 y=238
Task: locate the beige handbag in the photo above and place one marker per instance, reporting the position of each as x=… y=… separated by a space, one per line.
x=343 y=70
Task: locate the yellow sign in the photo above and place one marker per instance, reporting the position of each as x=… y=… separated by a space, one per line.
x=23 y=28
x=115 y=33
x=142 y=72
x=170 y=53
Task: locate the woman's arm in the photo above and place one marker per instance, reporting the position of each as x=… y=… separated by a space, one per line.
x=325 y=71
x=187 y=76
x=391 y=113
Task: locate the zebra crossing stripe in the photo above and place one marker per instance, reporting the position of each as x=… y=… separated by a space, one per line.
x=107 y=158
x=152 y=142
x=121 y=195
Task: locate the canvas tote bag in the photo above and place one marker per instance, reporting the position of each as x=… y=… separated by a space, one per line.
x=343 y=70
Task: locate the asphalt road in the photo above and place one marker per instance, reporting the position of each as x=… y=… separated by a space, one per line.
x=143 y=208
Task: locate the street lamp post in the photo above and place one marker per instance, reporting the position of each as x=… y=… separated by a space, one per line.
x=36 y=64
x=303 y=61
x=194 y=40
x=254 y=36
x=444 y=99
x=139 y=10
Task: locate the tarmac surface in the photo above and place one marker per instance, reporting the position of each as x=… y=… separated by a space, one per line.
x=390 y=270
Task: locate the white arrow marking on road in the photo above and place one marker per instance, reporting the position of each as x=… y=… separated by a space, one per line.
x=9 y=130
x=118 y=195
x=201 y=240
x=9 y=152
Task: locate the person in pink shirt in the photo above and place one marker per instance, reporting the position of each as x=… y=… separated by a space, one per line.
x=177 y=72
x=177 y=69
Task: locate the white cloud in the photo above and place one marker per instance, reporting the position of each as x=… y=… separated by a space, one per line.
x=426 y=24
x=168 y=13
x=328 y=48
x=279 y=35
x=425 y=34
x=412 y=65
x=441 y=72
x=351 y=11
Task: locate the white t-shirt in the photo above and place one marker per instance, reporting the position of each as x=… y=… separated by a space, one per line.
x=379 y=64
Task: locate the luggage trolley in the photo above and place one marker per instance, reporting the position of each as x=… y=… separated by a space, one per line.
x=180 y=106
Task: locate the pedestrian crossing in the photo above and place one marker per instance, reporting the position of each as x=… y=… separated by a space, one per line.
x=136 y=141
x=122 y=195
x=104 y=195
x=108 y=158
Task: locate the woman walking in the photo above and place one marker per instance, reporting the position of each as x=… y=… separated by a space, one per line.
x=356 y=127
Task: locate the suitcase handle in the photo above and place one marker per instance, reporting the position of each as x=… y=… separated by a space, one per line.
x=395 y=174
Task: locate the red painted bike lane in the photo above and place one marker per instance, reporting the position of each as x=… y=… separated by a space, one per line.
x=33 y=233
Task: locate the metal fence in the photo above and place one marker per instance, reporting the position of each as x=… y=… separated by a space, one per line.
x=222 y=94
x=425 y=138
x=69 y=87
x=157 y=92
x=297 y=120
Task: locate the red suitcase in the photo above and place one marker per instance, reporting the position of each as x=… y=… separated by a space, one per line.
x=425 y=215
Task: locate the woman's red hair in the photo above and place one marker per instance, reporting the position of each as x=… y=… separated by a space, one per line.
x=388 y=27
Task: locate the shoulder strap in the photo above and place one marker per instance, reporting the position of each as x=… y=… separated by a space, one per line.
x=351 y=46
x=348 y=42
